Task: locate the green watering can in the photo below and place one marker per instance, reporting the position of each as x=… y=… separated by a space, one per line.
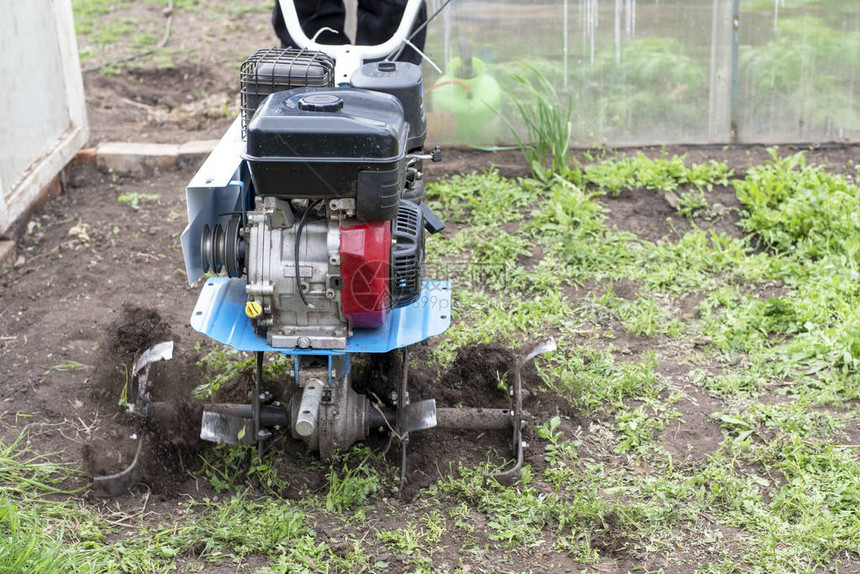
x=469 y=97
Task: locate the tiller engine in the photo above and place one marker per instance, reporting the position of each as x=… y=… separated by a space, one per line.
x=311 y=210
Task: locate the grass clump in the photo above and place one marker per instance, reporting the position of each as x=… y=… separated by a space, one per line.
x=27 y=475
x=233 y=468
x=306 y=555
x=636 y=429
x=28 y=545
x=590 y=376
x=133 y=199
x=800 y=504
x=232 y=529
x=88 y=12
x=502 y=319
x=350 y=487
x=546 y=115
x=516 y=516
x=665 y=174
x=480 y=199
x=226 y=366
x=798 y=208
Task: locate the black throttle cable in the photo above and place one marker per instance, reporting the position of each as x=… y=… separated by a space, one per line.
x=301 y=228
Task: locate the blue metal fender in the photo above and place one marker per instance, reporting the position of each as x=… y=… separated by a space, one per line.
x=220 y=315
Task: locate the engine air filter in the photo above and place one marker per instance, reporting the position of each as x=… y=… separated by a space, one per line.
x=277 y=69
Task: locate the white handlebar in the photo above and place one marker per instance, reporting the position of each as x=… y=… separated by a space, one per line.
x=348 y=57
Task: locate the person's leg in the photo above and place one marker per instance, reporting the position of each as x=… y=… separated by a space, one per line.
x=313 y=15
x=379 y=19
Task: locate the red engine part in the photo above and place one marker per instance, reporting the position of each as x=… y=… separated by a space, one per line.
x=365 y=257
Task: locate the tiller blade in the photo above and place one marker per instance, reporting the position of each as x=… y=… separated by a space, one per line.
x=121 y=482
x=227 y=428
x=424 y=415
x=519 y=416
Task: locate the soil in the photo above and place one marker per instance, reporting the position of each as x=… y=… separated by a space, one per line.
x=136 y=107
x=99 y=281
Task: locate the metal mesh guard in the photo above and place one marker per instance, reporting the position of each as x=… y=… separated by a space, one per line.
x=273 y=70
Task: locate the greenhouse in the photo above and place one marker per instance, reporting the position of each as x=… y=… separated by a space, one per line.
x=655 y=72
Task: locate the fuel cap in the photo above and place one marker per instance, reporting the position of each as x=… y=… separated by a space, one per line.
x=321 y=103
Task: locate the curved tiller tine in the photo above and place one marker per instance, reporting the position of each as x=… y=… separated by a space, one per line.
x=121 y=482
x=517 y=444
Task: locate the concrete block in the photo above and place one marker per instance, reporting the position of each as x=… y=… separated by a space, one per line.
x=136 y=158
x=192 y=154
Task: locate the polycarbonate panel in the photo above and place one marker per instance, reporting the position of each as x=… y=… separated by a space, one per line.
x=649 y=72
x=34 y=113
x=799 y=71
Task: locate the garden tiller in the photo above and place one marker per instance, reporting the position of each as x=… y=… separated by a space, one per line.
x=312 y=206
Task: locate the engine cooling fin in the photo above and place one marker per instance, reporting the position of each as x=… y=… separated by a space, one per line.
x=407 y=255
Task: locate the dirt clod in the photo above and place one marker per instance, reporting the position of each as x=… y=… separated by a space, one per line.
x=478 y=377
x=135 y=330
x=171 y=428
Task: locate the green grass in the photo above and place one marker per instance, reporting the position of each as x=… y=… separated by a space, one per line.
x=591 y=376
x=799 y=504
x=803 y=342
x=27 y=545
x=229 y=469
x=87 y=13
x=24 y=473
x=111 y=29
x=751 y=345
x=791 y=206
x=224 y=366
x=664 y=174
x=350 y=484
x=134 y=199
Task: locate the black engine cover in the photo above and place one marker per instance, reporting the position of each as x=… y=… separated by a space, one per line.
x=322 y=143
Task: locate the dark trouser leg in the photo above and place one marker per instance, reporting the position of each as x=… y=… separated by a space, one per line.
x=313 y=15
x=379 y=19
